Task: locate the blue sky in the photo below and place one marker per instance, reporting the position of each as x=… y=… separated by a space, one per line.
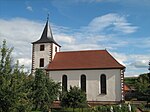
x=121 y=27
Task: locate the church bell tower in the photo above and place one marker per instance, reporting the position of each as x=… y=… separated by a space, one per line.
x=44 y=49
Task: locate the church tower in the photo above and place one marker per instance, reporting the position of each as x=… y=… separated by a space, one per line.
x=44 y=49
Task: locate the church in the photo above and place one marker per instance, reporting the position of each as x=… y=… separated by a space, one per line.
x=96 y=72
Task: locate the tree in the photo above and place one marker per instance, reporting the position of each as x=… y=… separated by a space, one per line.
x=143 y=86
x=13 y=95
x=74 y=98
x=20 y=92
x=44 y=91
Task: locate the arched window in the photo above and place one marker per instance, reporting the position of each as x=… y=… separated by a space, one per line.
x=83 y=83
x=103 y=84
x=64 y=83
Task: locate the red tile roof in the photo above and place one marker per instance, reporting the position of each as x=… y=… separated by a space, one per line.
x=126 y=88
x=91 y=59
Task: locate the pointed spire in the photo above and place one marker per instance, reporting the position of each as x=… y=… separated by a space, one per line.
x=47 y=33
x=47 y=36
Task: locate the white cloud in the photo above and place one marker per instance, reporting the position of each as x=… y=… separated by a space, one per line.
x=111 y=21
x=120 y=57
x=139 y=61
x=140 y=64
x=25 y=61
x=29 y=8
x=20 y=32
x=80 y=46
x=64 y=38
x=135 y=64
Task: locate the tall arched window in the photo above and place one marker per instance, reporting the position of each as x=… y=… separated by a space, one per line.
x=64 y=83
x=83 y=83
x=103 y=84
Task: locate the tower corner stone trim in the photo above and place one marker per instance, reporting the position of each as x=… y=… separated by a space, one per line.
x=33 y=59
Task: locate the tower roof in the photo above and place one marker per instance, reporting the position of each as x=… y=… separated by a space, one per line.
x=47 y=36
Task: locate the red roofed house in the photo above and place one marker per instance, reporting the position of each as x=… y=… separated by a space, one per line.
x=95 y=71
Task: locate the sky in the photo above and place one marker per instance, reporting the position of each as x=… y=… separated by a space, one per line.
x=120 y=26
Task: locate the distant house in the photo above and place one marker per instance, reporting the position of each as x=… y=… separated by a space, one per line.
x=129 y=89
x=126 y=88
x=95 y=71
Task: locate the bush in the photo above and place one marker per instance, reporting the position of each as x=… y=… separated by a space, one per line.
x=116 y=108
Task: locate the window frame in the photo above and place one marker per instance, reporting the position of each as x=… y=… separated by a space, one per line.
x=103 y=84
x=42 y=47
x=64 y=83
x=55 y=49
x=41 y=63
x=83 y=82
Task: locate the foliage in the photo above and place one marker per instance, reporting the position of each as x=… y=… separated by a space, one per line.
x=20 y=92
x=130 y=81
x=13 y=95
x=116 y=108
x=143 y=87
x=44 y=91
x=102 y=109
x=142 y=83
x=74 y=98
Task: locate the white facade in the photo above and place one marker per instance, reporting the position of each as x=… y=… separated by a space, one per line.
x=93 y=90
x=47 y=54
x=55 y=48
x=114 y=78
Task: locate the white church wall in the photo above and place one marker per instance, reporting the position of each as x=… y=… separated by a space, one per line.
x=54 y=46
x=93 y=82
x=42 y=54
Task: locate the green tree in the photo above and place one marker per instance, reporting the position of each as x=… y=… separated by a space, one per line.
x=143 y=86
x=74 y=98
x=44 y=91
x=13 y=95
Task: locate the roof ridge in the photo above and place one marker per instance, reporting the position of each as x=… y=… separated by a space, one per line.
x=81 y=51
